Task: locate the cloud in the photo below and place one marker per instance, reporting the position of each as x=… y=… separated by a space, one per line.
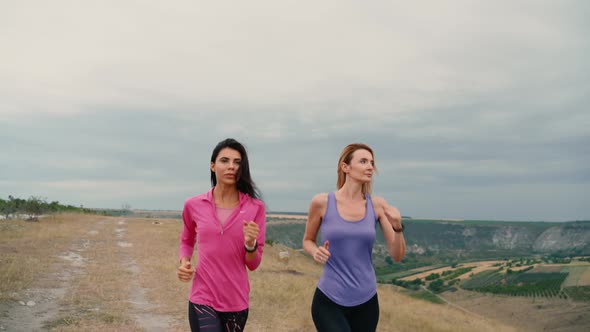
x=461 y=100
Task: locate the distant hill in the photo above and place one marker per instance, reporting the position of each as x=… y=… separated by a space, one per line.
x=441 y=241
x=444 y=241
x=286 y=213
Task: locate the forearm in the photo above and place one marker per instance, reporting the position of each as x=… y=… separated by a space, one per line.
x=310 y=247
x=184 y=259
x=397 y=247
x=253 y=259
x=188 y=236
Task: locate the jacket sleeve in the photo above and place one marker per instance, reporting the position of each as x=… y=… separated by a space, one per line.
x=260 y=220
x=188 y=235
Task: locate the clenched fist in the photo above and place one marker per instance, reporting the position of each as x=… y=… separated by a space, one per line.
x=251 y=231
x=322 y=254
x=185 y=270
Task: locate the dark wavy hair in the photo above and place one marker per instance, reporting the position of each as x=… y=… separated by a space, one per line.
x=245 y=183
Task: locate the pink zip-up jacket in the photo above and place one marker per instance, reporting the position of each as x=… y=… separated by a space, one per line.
x=221 y=278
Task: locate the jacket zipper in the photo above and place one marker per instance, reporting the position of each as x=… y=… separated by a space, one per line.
x=238 y=208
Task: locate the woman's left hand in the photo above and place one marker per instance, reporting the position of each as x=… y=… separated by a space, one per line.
x=251 y=231
x=393 y=216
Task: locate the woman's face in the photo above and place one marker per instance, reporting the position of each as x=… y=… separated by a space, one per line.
x=361 y=166
x=226 y=166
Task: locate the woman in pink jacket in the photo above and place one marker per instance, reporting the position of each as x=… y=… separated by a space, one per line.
x=227 y=223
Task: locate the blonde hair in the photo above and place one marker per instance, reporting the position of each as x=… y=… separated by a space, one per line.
x=346 y=157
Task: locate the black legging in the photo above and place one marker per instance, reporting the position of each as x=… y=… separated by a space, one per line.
x=329 y=316
x=205 y=318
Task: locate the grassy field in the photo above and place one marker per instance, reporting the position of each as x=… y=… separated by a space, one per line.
x=409 y=274
x=579 y=275
x=91 y=273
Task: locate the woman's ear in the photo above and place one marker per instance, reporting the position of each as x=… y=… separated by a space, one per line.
x=212 y=167
x=344 y=167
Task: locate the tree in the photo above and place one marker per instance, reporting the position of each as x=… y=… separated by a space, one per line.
x=436 y=286
x=10 y=207
x=34 y=207
x=388 y=260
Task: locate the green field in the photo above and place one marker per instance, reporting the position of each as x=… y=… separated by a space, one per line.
x=579 y=293
x=426 y=296
x=403 y=274
x=530 y=284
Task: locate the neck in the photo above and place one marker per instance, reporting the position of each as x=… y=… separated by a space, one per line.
x=225 y=196
x=351 y=190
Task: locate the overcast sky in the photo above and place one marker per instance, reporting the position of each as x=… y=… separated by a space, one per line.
x=475 y=109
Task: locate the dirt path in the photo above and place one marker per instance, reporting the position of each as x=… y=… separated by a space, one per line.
x=52 y=303
x=40 y=305
x=143 y=310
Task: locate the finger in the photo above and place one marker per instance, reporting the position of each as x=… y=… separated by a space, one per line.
x=319 y=259
x=251 y=232
x=327 y=244
x=251 y=225
x=323 y=252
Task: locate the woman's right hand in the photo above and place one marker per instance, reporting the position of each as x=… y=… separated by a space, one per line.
x=185 y=271
x=322 y=254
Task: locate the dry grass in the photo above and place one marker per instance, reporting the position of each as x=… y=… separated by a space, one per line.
x=281 y=301
x=585 y=278
x=526 y=314
x=578 y=276
x=98 y=296
x=29 y=249
x=155 y=250
x=287 y=216
x=479 y=267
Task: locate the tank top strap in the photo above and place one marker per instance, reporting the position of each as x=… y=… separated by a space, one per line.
x=331 y=211
x=370 y=208
x=331 y=201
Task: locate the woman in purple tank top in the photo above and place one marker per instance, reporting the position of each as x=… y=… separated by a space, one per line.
x=346 y=296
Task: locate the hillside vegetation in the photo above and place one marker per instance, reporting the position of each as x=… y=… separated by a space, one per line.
x=431 y=242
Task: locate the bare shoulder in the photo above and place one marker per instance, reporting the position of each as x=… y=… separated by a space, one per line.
x=319 y=200
x=318 y=206
x=378 y=202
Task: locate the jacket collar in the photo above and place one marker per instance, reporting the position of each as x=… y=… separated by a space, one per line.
x=209 y=196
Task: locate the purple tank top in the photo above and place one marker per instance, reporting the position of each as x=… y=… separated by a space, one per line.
x=348 y=278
